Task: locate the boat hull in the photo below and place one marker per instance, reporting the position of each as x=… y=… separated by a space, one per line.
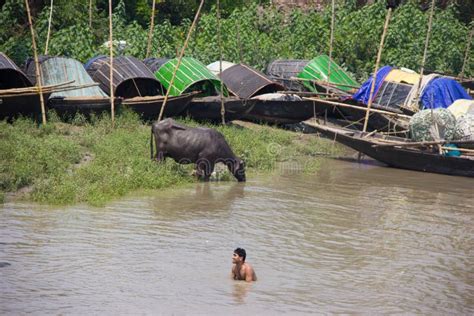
x=149 y=107
x=68 y=107
x=22 y=105
x=209 y=108
x=404 y=158
x=285 y=112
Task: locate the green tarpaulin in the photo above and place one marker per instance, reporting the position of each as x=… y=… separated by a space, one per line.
x=318 y=69
x=191 y=75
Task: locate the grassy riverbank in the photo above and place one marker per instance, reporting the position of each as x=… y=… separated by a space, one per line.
x=91 y=162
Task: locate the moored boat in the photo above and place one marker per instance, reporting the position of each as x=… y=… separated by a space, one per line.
x=271 y=106
x=17 y=95
x=137 y=85
x=86 y=99
x=403 y=153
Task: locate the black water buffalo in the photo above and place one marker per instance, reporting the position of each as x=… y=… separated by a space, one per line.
x=203 y=146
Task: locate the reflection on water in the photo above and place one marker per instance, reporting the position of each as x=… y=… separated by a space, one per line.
x=352 y=238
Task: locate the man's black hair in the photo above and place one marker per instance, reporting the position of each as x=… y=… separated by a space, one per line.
x=241 y=253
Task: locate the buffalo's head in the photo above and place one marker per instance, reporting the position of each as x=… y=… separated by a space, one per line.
x=239 y=170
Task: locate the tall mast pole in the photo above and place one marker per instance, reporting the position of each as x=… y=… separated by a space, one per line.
x=39 y=80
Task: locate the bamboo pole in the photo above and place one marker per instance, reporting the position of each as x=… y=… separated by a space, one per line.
x=39 y=81
x=358 y=107
x=90 y=14
x=150 y=33
x=331 y=40
x=49 y=29
x=111 y=74
x=466 y=54
x=220 y=60
x=179 y=59
x=419 y=144
x=425 y=53
x=379 y=56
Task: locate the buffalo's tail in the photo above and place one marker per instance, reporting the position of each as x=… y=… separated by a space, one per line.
x=151 y=143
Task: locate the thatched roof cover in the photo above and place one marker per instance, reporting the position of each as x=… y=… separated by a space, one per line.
x=246 y=82
x=11 y=75
x=154 y=63
x=131 y=77
x=286 y=68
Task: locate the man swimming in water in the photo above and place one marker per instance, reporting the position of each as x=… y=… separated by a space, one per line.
x=241 y=270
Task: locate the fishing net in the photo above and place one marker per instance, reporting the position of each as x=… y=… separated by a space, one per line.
x=433 y=125
x=465 y=127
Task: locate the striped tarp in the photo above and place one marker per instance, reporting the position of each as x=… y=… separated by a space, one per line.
x=246 y=82
x=11 y=75
x=131 y=77
x=190 y=73
x=57 y=70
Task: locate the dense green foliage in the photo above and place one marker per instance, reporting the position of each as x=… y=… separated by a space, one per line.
x=252 y=34
x=91 y=162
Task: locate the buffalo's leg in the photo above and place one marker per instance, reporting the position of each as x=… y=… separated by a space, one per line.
x=160 y=156
x=204 y=169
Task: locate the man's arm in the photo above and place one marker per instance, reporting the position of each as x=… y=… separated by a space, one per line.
x=232 y=272
x=249 y=274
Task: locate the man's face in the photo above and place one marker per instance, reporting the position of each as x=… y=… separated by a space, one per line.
x=236 y=258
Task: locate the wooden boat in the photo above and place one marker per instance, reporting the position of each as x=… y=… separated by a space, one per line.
x=136 y=84
x=87 y=99
x=247 y=83
x=13 y=102
x=401 y=153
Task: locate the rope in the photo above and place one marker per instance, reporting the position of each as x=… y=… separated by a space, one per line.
x=49 y=28
x=425 y=52
x=379 y=56
x=219 y=40
x=150 y=33
x=179 y=59
x=37 y=64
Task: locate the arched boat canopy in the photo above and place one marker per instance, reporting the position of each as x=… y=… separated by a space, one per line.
x=215 y=66
x=11 y=75
x=246 y=82
x=56 y=70
x=286 y=68
x=286 y=71
x=318 y=69
x=192 y=75
x=132 y=78
x=154 y=63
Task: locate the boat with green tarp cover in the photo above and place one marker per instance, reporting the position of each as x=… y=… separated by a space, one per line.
x=311 y=75
x=192 y=75
x=317 y=72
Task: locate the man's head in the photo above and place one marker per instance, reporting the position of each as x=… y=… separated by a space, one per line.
x=239 y=255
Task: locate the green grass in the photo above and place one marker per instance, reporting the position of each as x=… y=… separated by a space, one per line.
x=91 y=162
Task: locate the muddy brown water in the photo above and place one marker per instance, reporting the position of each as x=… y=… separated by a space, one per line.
x=350 y=239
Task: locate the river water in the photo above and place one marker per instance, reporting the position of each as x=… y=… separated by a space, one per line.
x=353 y=238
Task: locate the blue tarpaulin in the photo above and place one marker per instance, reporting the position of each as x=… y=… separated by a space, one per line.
x=364 y=91
x=442 y=92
